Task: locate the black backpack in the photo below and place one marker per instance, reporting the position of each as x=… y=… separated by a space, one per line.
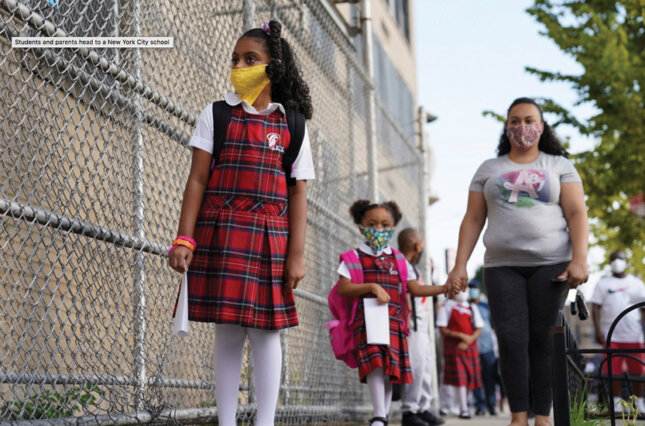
x=295 y=123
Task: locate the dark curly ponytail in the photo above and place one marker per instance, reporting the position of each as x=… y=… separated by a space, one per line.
x=549 y=142
x=287 y=85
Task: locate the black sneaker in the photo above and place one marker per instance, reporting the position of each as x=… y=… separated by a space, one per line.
x=431 y=419
x=480 y=412
x=464 y=415
x=411 y=419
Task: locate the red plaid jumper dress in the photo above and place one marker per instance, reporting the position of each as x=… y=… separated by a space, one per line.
x=461 y=368
x=393 y=359
x=236 y=275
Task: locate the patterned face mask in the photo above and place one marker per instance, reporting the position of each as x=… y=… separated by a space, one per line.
x=249 y=82
x=376 y=239
x=524 y=137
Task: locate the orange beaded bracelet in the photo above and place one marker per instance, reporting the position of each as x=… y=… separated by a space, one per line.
x=180 y=242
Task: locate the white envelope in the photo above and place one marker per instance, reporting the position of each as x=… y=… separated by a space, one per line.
x=377 y=322
x=180 y=322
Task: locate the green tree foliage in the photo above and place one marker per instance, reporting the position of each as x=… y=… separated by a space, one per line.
x=607 y=38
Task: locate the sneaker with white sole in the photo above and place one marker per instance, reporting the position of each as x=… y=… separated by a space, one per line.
x=618 y=406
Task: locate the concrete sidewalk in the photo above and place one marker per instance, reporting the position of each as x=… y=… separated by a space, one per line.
x=500 y=420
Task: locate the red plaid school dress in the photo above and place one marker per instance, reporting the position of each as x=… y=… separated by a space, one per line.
x=236 y=275
x=461 y=368
x=393 y=359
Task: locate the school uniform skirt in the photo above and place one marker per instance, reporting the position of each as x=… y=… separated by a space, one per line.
x=393 y=359
x=461 y=368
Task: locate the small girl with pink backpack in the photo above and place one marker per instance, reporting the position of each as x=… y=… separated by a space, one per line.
x=373 y=283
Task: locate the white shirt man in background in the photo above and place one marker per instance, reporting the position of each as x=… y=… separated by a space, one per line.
x=612 y=295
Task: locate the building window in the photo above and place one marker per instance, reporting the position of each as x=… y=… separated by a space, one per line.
x=400 y=10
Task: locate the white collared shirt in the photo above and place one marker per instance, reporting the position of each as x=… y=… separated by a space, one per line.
x=303 y=166
x=343 y=270
x=443 y=315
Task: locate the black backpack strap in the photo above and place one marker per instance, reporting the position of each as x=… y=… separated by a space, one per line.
x=221 y=118
x=414 y=307
x=296 y=125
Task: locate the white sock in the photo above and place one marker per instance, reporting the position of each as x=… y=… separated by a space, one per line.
x=267 y=367
x=229 y=343
x=463 y=399
x=376 y=384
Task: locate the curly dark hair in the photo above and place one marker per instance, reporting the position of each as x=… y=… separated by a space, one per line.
x=548 y=143
x=360 y=207
x=287 y=85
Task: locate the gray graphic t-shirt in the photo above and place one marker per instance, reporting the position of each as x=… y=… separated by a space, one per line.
x=526 y=224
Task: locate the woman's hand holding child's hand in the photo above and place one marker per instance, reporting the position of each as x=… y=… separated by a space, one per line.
x=458 y=276
x=382 y=296
x=180 y=258
x=294 y=271
x=450 y=289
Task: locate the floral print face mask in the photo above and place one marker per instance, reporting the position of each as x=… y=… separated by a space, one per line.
x=524 y=137
x=377 y=239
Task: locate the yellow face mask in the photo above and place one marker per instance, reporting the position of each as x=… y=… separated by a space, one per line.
x=249 y=82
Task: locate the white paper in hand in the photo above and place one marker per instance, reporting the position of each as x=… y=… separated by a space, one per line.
x=377 y=322
x=180 y=322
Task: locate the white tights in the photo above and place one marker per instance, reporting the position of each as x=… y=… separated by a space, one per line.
x=267 y=366
x=380 y=392
x=463 y=399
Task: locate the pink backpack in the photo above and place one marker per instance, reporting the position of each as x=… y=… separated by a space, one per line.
x=343 y=309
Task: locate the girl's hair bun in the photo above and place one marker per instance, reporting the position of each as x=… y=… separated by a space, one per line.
x=358 y=209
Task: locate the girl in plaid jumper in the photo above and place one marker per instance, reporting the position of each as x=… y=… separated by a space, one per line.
x=381 y=365
x=460 y=324
x=247 y=217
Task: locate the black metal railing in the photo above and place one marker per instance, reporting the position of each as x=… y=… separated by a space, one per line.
x=569 y=375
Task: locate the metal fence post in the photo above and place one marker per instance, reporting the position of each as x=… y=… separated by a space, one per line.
x=424 y=231
x=368 y=62
x=249 y=15
x=139 y=230
x=559 y=371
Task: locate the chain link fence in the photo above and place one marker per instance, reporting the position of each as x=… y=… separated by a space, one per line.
x=93 y=165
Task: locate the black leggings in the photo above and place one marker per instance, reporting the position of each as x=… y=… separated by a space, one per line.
x=524 y=305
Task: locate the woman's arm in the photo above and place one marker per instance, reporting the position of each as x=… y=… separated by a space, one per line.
x=346 y=288
x=471 y=227
x=572 y=200
x=193 y=194
x=294 y=269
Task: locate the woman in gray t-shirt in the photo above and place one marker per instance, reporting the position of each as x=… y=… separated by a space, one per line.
x=537 y=230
